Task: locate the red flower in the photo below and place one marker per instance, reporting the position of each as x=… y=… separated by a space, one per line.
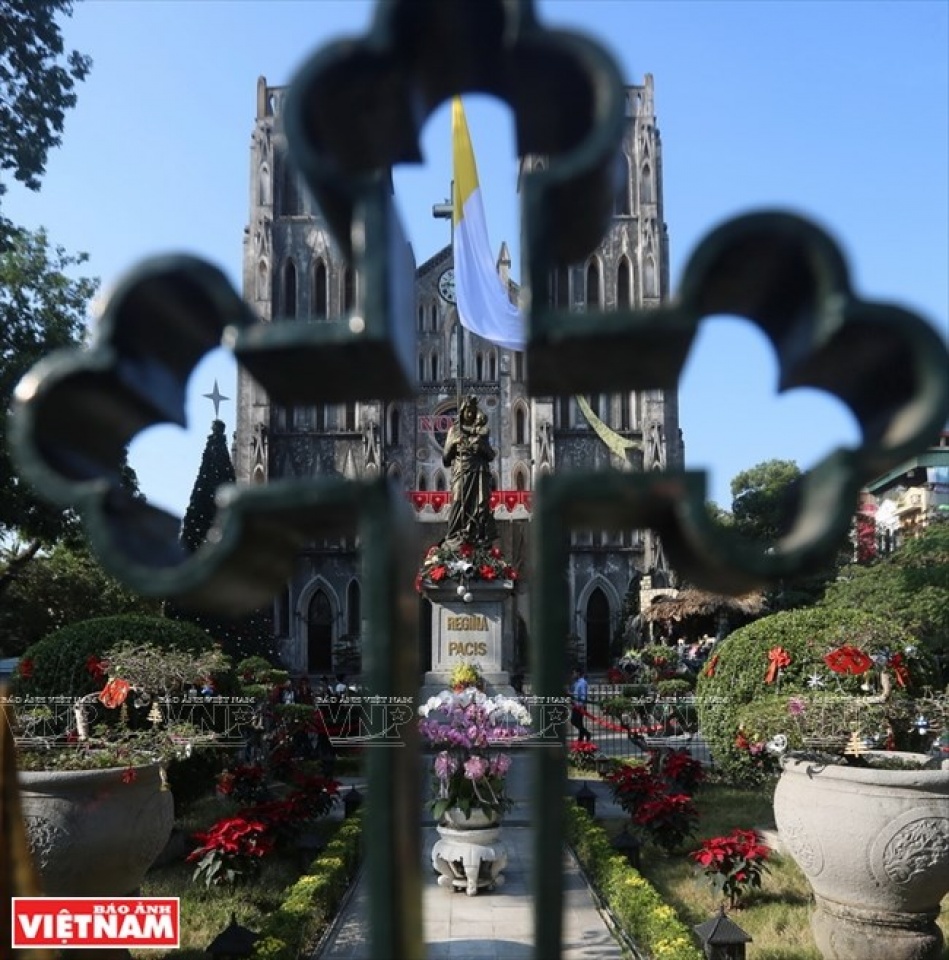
x=486 y=572
x=26 y=668
x=95 y=667
x=129 y=776
x=509 y=573
x=848 y=660
x=466 y=550
x=736 y=860
x=438 y=573
x=496 y=553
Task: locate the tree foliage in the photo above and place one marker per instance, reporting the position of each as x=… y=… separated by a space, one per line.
x=763 y=499
x=58 y=588
x=42 y=309
x=911 y=587
x=37 y=85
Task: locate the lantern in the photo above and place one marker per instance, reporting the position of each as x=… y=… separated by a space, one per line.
x=233 y=941
x=586 y=799
x=722 y=938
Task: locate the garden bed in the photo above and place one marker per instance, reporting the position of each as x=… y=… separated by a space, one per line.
x=290 y=902
x=777 y=916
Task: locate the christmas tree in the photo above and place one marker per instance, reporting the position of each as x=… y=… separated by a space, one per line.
x=250 y=635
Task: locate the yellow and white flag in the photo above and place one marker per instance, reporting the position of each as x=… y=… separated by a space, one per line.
x=483 y=303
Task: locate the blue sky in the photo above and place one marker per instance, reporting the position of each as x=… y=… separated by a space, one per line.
x=836 y=110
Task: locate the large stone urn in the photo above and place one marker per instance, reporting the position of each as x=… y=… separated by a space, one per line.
x=469 y=855
x=95 y=832
x=874 y=845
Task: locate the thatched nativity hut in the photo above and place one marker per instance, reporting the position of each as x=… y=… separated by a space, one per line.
x=694 y=614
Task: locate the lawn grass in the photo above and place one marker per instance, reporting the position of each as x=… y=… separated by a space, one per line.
x=778 y=915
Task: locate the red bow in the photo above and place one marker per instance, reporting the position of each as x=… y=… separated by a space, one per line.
x=709 y=670
x=778 y=657
x=898 y=665
x=848 y=659
x=114 y=692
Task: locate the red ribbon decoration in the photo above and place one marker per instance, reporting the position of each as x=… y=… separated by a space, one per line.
x=709 y=670
x=847 y=659
x=114 y=693
x=778 y=657
x=898 y=665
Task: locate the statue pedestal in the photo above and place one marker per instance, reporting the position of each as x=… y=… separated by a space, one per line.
x=480 y=631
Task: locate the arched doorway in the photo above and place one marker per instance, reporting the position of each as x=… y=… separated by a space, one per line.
x=319 y=638
x=598 y=630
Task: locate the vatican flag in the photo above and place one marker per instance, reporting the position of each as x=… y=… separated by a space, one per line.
x=483 y=303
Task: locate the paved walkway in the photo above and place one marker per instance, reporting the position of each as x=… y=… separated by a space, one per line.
x=491 y=926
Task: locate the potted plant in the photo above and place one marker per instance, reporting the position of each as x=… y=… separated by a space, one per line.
x=466 y=674
x=841 y=705
x=469 y=731
x=92 y=767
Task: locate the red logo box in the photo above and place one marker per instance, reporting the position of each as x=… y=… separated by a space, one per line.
x=76 y=922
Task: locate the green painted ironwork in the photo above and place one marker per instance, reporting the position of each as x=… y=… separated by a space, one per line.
x=354 y=110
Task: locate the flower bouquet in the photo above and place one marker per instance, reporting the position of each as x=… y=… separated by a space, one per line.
x=468 y=729
x=444 y=563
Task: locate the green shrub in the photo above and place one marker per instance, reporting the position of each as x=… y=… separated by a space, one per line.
x=313 y=900
x=61 y=661
x=732 y=685
x=676 y=687
x=638 y=908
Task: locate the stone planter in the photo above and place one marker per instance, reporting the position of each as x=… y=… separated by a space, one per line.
x=91 y=833
x=874 y=845
x=469 y=855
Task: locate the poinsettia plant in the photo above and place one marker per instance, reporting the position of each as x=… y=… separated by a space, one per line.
x=661 y=809
x=469 y=562
x=733 y=863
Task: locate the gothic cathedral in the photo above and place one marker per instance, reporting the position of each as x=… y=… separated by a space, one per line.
x=292 y=269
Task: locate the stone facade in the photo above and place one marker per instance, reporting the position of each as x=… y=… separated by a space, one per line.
x=293 y=269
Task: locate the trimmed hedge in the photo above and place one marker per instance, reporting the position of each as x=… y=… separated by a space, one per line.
x=313 y=901
x=59 y=660
x=733 y=681
x=651 y=923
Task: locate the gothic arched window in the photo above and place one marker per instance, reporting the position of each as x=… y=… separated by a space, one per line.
x=624 y=286
x=320 y=291
x=520 y=425
x=645 y=185
x=593 y=284
x=290 y=289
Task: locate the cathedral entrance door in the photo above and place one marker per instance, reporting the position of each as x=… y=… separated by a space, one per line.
x=319 y=640
x=598 y=631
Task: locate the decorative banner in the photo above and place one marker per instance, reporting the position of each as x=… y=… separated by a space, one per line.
x=778 y=658
x=848 y=660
